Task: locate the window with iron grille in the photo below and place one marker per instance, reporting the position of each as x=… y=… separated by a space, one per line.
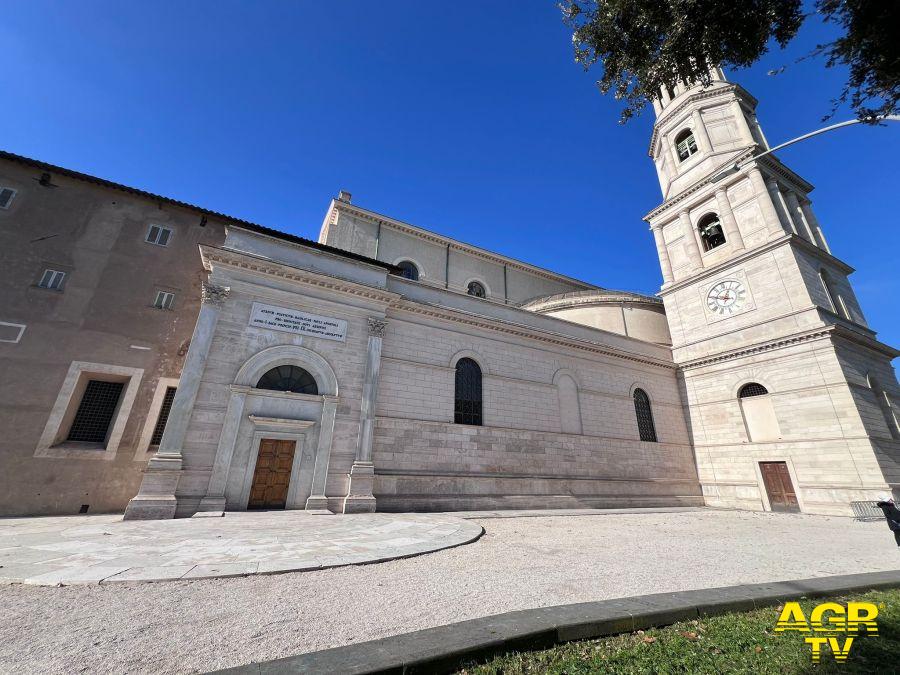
x=685 y=144
x=644 y=415
x=159 y=235
x=467 y=409
x=752 y=389
x=6 y=197
x=476 y=289
x=52 y=279
x=164 y=300
x=164 y=409
x=95 y=411
x=289 y=378
x=409 y=270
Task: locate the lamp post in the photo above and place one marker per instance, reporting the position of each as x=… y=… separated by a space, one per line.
x=734 y=168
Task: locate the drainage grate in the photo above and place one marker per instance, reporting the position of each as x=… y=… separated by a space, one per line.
x=866 y=511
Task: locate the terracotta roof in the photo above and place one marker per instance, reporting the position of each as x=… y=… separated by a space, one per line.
x=246 y=224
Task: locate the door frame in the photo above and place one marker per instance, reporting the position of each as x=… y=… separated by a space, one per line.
x=300 y=436
x=761 y=484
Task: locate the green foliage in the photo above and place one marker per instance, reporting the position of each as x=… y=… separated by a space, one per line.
x=645 y=45
x=732 y=643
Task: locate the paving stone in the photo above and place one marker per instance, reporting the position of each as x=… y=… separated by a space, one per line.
x=159 y=573
x=234 y=545
x=75 y=575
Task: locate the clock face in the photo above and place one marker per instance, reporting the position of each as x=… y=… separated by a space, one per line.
x=726 y=297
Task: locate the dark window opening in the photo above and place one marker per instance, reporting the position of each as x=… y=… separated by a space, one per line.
x=752 y=389
x=289 y=378
x=685 y=144
x=476 y=289
x=711 y=233
x=467 y=408
x=644 y=414
x=95 y=411
x=160 y=427
x=408 y=270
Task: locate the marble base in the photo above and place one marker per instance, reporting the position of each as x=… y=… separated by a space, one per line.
x=359 y=497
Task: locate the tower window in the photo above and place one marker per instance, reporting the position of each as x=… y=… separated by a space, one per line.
x=836 y=301
x=685 y=145
x=467 y=399
x=887 y=408
x=158 y=235
x=95 y=412
x=408 y=270
x=476 y=289
x=289 y=378
x=644 y=414
x=711 y=233
x=752 y=389
x=759 y=413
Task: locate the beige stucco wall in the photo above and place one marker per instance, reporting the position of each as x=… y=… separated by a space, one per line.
x=441 y=261
x=103 y=316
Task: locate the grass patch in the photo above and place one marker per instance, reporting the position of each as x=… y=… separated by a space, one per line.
x=732 y=643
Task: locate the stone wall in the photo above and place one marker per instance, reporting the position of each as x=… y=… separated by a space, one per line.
x=520 y=457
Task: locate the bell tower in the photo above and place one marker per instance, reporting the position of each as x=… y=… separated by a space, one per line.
x=792 y=400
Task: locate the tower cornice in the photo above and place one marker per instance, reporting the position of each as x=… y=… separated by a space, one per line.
x=788 y=238
x=771 y=163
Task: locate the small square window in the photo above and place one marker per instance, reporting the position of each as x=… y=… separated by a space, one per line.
x=52 y=279
x=164 y=300
x=159 y=235
x=6 y=197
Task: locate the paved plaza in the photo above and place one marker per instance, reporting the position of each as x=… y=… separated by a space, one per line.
x=519 y=563
x=105 y=549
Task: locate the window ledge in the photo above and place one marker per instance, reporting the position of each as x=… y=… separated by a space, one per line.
x=77 y=450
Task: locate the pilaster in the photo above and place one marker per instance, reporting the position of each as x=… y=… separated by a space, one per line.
x=156 y=497
x=360 y=498
x=690 y=241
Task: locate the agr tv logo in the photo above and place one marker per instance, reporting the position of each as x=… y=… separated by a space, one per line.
x=834 y=621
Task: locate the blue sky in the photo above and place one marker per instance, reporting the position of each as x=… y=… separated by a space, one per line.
x=467 y=118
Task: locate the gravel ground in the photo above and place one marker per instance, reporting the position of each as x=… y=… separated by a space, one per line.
x=190 y=626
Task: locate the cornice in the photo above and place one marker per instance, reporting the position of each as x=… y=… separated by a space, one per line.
x=712 y=92
x=828 y=332
x=461 y=247
x=245 y=261
x=590 y=300
x=521 y=330
x=818 y=334
x=707 y=180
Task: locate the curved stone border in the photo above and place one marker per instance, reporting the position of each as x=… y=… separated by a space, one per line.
x=446 y=648
x=103 y=550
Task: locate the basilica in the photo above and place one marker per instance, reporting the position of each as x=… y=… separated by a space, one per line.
x=195 y=363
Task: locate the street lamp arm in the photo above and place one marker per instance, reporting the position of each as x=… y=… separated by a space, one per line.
x=737 y=165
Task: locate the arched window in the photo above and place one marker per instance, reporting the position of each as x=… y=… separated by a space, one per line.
x=289 y=378
x=759 y=413
x=752 y=389
x=836 y=301
x=685 y=145
x=644 y=416
x=887 y=408
x=467 y=406
x=408 y=270
x=711 y=233
x=476 y=289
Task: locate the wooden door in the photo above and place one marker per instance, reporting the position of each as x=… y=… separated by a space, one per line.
x=272 y=475
x=781 y=493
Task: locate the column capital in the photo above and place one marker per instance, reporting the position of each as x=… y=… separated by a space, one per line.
x=377 y=326
x=210 y=294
